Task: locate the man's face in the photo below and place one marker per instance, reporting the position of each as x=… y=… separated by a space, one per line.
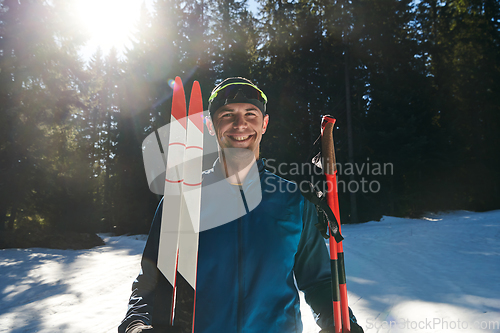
x=239 y=125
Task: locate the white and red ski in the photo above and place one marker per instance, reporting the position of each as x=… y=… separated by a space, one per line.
x=178 y=247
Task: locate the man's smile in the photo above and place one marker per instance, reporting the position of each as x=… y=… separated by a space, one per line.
x=239 y=137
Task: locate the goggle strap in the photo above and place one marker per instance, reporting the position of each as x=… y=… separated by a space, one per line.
x=212 y=97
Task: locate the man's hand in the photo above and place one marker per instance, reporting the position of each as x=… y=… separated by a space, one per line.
x=139 y=327
x=355 y=328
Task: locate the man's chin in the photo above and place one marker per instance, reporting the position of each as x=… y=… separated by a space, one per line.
x=243 y=153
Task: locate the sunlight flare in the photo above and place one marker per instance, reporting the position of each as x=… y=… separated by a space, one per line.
x=108 y=23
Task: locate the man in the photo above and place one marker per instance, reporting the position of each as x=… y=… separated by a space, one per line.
x=255 y=250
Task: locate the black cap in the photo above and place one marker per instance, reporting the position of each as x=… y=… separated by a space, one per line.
x=236 y=90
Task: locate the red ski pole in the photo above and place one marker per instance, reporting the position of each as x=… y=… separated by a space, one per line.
x=339 y=288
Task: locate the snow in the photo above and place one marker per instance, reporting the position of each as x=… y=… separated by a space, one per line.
x=436 y=274
x=440 y=273
x=67 y=290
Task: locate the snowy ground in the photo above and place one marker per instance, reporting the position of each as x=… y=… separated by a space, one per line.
x=437 y=274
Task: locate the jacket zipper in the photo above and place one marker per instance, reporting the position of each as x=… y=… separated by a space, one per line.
x=240 y=277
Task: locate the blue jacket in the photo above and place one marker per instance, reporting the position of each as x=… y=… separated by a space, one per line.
x=248 y=269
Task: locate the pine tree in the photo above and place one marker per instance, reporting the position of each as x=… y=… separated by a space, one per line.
x=39 y=76
x=232 y=39
x=461 y=41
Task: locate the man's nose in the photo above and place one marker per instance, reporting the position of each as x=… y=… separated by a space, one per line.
x=239 y=121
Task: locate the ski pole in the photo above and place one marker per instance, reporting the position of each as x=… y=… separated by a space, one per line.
x=339 y=288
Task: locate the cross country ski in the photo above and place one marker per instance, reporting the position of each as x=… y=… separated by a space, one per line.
x=178 y=247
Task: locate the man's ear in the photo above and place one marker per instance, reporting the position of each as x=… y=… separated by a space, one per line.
x=210 y=125
x=264 y=124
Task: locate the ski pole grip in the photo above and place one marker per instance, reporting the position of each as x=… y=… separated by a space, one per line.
x=327 y=145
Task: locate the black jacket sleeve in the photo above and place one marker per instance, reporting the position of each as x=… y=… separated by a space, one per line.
x=141 y=303
x=313 y=274
x=312 y=268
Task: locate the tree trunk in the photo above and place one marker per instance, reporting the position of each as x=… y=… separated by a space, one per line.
x=352 y=195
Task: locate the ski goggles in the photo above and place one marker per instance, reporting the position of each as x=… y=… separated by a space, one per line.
x=230 y=93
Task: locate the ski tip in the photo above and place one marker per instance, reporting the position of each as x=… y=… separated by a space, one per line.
x=196 y=106
x=178 y=83
x=178 y=87
x=179 y=102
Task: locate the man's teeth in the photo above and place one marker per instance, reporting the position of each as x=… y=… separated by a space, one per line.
x=241 y=138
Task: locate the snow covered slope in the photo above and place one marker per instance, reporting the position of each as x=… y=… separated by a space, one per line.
x=437 y=274
x=73 y=291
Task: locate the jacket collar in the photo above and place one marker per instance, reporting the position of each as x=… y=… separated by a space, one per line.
x=216 y=170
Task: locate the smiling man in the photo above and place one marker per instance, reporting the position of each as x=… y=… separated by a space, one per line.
x=250 y=264
x=239 y=125
x=238 y=120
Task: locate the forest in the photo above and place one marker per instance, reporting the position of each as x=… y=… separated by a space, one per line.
x=414 y=86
